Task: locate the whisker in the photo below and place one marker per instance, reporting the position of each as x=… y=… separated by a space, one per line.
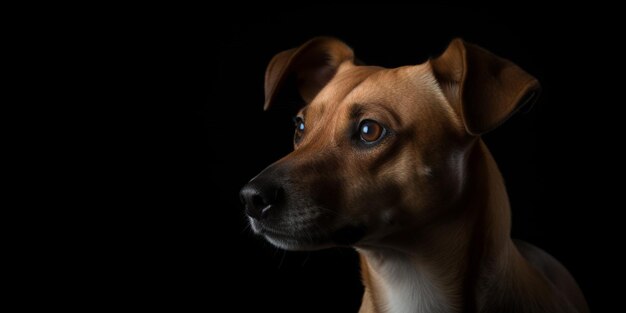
x=308 y=255
x=282 y=259
x=246 y=228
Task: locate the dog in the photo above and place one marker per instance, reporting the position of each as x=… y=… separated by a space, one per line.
x=391 y=162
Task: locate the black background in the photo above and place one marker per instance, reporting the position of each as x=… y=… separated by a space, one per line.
x=198 y=251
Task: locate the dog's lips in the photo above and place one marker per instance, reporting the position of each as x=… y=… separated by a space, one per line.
x=276 y=234
x=303 y=240
x=261 y=228
x=290 y=241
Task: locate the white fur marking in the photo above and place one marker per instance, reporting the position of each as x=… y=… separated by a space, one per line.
x=408 y=289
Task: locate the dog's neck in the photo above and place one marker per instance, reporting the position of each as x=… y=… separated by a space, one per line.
x=441 y=267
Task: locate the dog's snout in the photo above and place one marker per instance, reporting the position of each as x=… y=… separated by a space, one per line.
x=259 y=198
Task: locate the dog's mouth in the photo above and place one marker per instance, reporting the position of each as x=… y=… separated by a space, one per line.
x=304 y=240
x=291 y=240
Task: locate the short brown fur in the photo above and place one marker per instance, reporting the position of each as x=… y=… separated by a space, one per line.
x=428 y=195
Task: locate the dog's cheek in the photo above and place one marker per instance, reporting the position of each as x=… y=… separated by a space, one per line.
x=441 y=185
x=406 y=182
x=455 y=173
x=375 y=203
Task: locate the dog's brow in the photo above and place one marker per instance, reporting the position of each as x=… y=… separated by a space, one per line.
x=303 y=111
x=358 y=110
x=394 y=116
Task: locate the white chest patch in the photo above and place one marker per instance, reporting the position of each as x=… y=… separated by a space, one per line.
x=409 y=289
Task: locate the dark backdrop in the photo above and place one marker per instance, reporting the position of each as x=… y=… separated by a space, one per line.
x=201 y=252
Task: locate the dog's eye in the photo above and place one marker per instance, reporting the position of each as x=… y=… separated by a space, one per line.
x=299 y=127
x=370 y=131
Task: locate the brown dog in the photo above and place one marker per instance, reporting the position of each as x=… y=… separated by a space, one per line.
x=390 y=161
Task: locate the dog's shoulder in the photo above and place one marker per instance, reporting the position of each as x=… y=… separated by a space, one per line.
x=554 y=272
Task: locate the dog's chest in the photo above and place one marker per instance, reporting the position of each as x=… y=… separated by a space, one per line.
x=408 y=289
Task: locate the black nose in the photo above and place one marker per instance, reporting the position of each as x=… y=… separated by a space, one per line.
x=259 y=199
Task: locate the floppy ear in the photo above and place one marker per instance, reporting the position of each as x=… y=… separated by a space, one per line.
x=483 y=88
x=308 y=68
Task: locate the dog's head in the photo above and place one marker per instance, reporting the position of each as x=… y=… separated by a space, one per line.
x=377 y=151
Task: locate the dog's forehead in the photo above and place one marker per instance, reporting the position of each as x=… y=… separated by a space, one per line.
x=347 y=79
x=402 y=86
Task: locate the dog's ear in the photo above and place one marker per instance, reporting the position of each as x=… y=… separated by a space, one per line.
x=483 y=88
x=308 y=68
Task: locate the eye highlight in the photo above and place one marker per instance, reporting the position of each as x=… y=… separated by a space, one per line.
x=299 y=123
x=370 y=131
